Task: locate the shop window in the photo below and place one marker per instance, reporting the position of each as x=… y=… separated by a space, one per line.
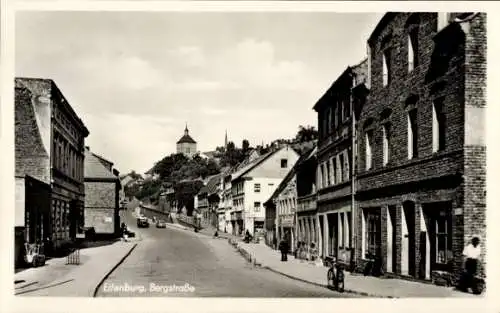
x=443 y=239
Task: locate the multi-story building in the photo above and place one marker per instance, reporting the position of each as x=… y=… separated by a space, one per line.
x=280 y=212
x=253 y=184
x=226 y=219
x=336 y=120
x=102 y=195
x=59 y=134
x=307 y=222
x=421 y=173
x=214 y=197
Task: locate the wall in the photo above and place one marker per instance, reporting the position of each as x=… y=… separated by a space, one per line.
x=271 y=167
x=31 y=157
x=426 y=85
x=101 y=206
x=267 y=187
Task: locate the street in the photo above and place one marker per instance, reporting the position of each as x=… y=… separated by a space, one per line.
x=167 y=257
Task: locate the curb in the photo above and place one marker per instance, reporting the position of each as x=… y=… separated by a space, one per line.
x=361 y=293
x=113 y=269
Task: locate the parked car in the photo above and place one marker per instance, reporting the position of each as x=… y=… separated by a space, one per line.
x=161 y=224
x=142 y=222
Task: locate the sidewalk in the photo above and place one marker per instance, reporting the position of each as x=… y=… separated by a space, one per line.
x=354 y=283
x=58 y=279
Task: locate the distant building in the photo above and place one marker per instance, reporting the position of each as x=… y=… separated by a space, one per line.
x=102 y=189
x=335 y=157
x=50 y=148
x=186 y=145
x=253 y=184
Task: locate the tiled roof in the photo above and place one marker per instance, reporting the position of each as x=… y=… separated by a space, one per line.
x=242 y=171
x=212 y=183
x=95 y=169
x=186 y=139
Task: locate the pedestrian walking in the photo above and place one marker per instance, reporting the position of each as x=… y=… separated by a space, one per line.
x=283 y=247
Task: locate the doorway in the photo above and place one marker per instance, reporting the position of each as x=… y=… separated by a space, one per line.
x=408 y=239
x=391 y=239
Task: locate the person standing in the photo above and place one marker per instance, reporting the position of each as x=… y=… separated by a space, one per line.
x=283 y=247
x=472 y=253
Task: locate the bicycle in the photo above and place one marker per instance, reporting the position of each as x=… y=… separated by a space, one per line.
x=336 y=277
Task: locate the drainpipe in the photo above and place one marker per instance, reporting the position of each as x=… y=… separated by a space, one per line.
x=353 y=177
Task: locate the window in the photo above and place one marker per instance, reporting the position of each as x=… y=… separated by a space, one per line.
x=256 y=206
x=386 y=67
x=349 y=223
x=372 y=232
x=368 y=150
x=284 y=163
x=412 y=49
x=336 y=117
x=385 y=143
x=412 y=134
x=329 y=120
x=319 y=177
x=325 y=175
x=333 y=169
x=270 y=184
x=438 y=126
x=256 y=187
x=342 y=231
x=342 y=169
x=347 y=109
x=442 y=239
x=328 y=180
x=348 y=164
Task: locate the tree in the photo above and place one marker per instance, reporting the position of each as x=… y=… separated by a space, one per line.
x=245 y=146
x=306 y=133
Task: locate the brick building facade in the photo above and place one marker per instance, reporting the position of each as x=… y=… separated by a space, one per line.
x=50 y=147
x=336 y=120
x=421 y=166
x=102 y=195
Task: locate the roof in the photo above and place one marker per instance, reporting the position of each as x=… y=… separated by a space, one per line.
x=212 y=183
x=94 y=169
x=186 y=139
x=248 y=167
x=381 y=24
x=41 y=86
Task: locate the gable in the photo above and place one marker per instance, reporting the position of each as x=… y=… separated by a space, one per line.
x=271 y=167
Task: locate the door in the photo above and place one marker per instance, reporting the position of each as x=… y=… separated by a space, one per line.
x=391 y=238
x=408 y=240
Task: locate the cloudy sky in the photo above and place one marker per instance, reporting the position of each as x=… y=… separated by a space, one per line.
x=136 y=78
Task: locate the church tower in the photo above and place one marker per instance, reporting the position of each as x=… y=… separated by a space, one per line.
x=186 y=145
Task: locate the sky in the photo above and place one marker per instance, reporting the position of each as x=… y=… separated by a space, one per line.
x=137 y=78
